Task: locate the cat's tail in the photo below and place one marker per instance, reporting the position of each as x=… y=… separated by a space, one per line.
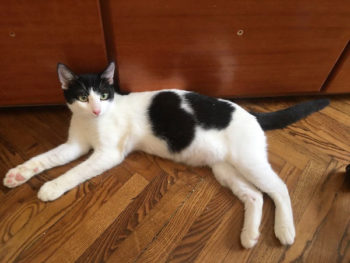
x=282 y=118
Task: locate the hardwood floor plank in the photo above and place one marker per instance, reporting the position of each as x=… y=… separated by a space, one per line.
x=278 y=143
x=32 y=236
x=143 y=164
x=180 y=223
x=81 y=211
x=342 y=104
x=315 y=211
x=92 y=228
x=290 y=175
x=115 y=244
x=276 y=162
x=225 y=237
x=202 y=229
x=329 y=238
x=41 y=218
x=308 y=182
x=344 y=250
x=326 y=141
x=335 y=113
x=13 y=199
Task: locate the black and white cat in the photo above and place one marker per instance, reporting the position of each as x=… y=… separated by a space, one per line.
x=175 y=124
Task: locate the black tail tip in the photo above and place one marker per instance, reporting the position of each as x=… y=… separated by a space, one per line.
x=321 y=103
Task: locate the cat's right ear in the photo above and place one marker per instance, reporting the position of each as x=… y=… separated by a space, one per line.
x=108 y=74
x=65 y=75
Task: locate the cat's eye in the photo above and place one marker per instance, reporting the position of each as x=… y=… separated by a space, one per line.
x=104 y=96
x=83 y=98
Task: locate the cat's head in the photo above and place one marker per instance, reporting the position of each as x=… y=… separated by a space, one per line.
x=90 y=95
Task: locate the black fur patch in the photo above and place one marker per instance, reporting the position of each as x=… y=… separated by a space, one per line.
x=210 y=113
x=170 y=122
x=83 y=84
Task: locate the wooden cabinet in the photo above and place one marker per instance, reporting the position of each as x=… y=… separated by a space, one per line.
x=35 y=35
x=228 y=48
x=216 y=47
x=339 y=79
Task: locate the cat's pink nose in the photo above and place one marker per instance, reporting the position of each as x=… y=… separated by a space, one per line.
x=96 y=112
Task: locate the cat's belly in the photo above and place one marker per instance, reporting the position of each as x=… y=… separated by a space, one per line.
x=202 y=153
x=207 y=148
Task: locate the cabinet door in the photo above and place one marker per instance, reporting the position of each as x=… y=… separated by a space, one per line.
x=339 y=79
x=35 y=35
x=227 y=48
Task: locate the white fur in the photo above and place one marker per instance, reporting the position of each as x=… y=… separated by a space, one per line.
x=236 y=154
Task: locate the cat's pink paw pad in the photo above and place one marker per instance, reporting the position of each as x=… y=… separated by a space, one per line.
x=36 y=169
x=11 y=175
x=19 y=177
x=9 y=181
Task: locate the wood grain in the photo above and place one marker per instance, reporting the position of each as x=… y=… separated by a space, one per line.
x=153 y=210
x=227 y=48
x=34 y=37
x=339 y=79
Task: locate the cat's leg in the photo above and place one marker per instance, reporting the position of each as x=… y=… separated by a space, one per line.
x=96 y=164
x=58 y=156
x=254 y=166
x=252 y=198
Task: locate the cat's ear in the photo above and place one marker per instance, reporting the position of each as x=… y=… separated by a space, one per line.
x=108 y=73
x=65 y=75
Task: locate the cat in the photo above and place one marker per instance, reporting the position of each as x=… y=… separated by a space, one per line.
x=180 y=125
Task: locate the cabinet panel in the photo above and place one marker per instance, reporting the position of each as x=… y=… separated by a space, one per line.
x=35 y=35
x=339 y=80
x=227 y=48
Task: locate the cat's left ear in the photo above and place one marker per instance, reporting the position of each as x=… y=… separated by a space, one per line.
x=108 y=74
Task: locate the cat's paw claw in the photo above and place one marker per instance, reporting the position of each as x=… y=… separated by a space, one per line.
x=285 y=234
x=249 y=238
x=49 y=192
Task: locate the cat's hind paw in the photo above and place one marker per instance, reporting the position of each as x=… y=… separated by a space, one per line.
x=19 y=175
x=249 y=238
x=285 y=234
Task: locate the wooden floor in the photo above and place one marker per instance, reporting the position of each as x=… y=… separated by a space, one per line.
x=153 y=210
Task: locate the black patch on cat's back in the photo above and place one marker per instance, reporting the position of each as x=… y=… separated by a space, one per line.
x=210 y=113
x=170 y=122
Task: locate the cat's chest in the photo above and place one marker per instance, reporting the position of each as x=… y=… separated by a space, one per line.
x=100 y=134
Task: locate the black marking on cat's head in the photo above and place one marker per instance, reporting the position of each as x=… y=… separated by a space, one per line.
x=210 y=113
x=170 y=122
x=74 y=85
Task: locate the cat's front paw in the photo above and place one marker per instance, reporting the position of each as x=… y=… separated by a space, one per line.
x=50 y=191
x=20 y=174
x=285 y=233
